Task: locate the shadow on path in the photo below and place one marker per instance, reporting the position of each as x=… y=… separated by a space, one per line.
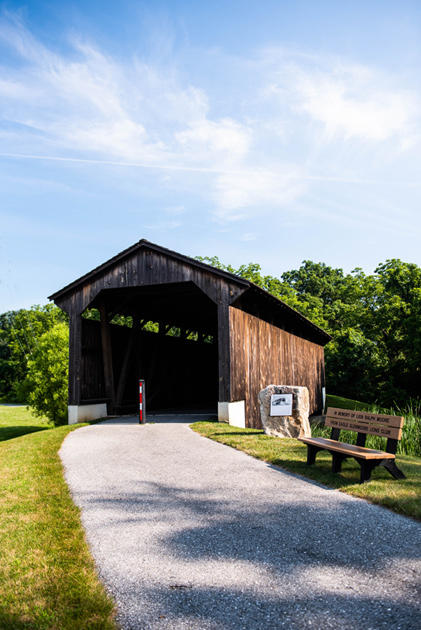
x=287 y=565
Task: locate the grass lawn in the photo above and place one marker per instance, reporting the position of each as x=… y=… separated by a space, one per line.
x=47 y=575
x=16 y=421
x=403 y=496
x=346 y=403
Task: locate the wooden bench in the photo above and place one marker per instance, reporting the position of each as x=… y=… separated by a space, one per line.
x=389 y=427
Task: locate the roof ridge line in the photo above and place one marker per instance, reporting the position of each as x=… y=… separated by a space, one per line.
x=153 y=246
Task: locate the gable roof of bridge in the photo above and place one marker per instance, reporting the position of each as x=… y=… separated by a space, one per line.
x=259 y=294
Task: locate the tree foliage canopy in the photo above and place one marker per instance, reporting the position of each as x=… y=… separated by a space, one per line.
x=375 y=322
x=48 y=374
x=19 y=335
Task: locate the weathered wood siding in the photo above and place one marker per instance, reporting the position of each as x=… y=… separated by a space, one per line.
x=146 y=267
x=262 y=354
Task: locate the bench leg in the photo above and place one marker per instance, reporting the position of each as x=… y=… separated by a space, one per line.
x=337 y=459
x=366 y=468
x=311 y=454
x=390 y=465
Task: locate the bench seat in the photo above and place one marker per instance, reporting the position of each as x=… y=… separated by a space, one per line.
x=349 y=449
x=363 y=423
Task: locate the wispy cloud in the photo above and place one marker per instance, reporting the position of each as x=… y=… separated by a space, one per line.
x=349 y=100
x=225 y=140
x=268 y=178
x=87 y=107
x=349 y=106
x=235 y=193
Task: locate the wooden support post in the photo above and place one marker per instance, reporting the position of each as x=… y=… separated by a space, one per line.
x=107 y=356
x=311 y=454
x=75 y=358
x=337 y=459
x=334 y=434
x=361 y=438
x=390 y=465
x=126 y=362
x=224 y=353
x=366 y=468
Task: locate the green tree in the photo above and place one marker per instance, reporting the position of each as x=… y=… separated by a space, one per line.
x=375 y=322
x=316 y=279
x=48 y=374
x=6 y=369
x=397 y=327
x=19 y=334
x=354 y=364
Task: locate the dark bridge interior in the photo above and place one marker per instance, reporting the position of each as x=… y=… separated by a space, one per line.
x=165 y=334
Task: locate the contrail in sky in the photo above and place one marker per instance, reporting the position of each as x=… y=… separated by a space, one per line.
x=200 y=169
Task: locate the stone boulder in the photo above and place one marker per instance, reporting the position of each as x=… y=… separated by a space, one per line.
x=296 y=425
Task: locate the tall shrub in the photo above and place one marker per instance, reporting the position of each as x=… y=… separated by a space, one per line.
x=48 y=374
x=19 y=334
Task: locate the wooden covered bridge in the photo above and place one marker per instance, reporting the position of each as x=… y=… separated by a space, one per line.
x=203 y=339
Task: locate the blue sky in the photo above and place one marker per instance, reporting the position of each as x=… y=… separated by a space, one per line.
x=267 y=131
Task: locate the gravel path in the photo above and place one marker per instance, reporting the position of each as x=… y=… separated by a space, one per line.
x=188 y=533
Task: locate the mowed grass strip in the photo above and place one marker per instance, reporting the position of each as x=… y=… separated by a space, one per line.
x=47 y=575
x=402 y=496
x=346 y=403
x=16 y=421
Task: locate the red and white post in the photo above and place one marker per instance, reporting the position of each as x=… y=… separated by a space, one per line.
x=142 y=402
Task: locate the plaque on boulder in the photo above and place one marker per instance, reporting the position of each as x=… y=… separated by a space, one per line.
x=281 y=405
x=285 y=426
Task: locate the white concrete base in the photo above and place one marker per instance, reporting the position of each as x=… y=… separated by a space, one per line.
x=80 y=413
x=232 y=412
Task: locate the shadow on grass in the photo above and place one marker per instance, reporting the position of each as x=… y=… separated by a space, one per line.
x=14 y=622
x=7 y=433
x=350 y=475
x=232 y=433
